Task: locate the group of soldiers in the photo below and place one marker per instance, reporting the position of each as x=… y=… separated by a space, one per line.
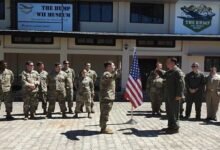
x=175 y=88
x=58 y=85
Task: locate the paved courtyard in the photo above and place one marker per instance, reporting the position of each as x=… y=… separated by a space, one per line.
x=83 y=133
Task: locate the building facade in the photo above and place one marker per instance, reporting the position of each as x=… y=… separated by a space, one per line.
x=99 y=30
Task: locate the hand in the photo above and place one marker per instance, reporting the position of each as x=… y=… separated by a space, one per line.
x=32 y=86
x=178 y=98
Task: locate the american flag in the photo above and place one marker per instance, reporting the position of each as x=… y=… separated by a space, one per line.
x=133 y=90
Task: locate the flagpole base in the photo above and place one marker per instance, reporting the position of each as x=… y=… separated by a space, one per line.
x=131 y=121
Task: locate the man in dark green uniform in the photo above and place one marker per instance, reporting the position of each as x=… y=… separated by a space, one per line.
x=195 y=82
x=173 y=94
x=107 y=95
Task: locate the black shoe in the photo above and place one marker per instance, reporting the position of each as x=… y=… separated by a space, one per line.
x=89 y=116
x=49 y=115
x=214 y=119
x=172 y=131
x=186 y=118
x=45 y=112
x=9 y=117
x=165 y=129
x=76 y=115
x=70 y=110
x=32 y=116
x=198 y=118
x=64 y=115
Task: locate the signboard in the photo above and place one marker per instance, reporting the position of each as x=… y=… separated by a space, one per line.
x=45 y=16
x=194 y=18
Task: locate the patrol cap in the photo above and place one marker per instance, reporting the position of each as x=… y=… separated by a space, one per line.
x=195 y=64
x=66 y=62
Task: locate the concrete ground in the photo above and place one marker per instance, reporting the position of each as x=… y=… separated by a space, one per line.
x=83 y=133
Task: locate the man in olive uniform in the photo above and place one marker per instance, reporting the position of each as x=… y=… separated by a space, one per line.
x=58 y=81
x=6 y=80
x=69 y=91
x=212 y=94
x=155 y=89
x=93 y=75
x=85 y=92
x=173 y=94
x=195 y=85
x=31 y=81
x=107 y=95
x=43 y=85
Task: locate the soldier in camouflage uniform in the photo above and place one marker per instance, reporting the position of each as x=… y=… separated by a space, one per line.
x=69 y=91
x=155 y=89
x=58 y=82
x=93 y=75
x=6 y=80
x=43 y=85
x=85 y=92
x=155 y=85
x=174 y=92
x=31 y=81
x=107 y=95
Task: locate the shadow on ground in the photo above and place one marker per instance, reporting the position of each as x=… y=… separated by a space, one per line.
x=142 y=133
x=74 y=134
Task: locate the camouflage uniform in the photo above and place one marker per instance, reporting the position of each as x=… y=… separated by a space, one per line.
x=212 y=95
x=57 y=83
x=85 y=88
x=107 y=96
x=6 y=80
x=69 y=91
x=155 y=89
x=43 y=88
x=30 y=96
x=93 y=75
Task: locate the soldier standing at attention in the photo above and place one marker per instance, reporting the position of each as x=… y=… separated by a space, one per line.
x=57 y=82
x=43 y=85
x=173 y=94
x=31 y=81
x=212 y=94
x=107 y=95
x=85 y=92
x=155 y=89
x=93 y=75
x=6 y=80
x=195 y=85
x=69 y=91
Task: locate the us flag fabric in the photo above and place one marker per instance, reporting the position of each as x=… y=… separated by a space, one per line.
x=133 y=90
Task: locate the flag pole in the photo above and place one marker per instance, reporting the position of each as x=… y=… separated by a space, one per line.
x=132 y=121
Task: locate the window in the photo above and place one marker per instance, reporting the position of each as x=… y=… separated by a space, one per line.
x=96 y=11
x=155 y=43
x=31 y=40
x=2 y=9
x=212 y=61
x=95 y=41
x=147 y=13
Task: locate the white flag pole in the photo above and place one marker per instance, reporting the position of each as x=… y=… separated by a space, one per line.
x=132 y=121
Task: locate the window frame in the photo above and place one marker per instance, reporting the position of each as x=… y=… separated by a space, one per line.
x=152 y=5
x=95 y=41
x=213 y=58
x=173 y=45
x=32 y=39
x=2 y=17
x=100 y=11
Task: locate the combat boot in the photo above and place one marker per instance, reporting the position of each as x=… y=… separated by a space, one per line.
x=26 y=117
x=76 y=115
x=64 y=115
x=106 y=131
x=32 y=116
x=9 y=116
x=49 y=115
x=45 y=111
x=70 y=110
x=92 y=109
x=89 y=115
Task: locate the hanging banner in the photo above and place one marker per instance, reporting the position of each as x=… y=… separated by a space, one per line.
x=196 y=18
x=45 y=16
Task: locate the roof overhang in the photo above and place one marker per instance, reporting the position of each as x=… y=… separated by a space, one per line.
x=113 y=35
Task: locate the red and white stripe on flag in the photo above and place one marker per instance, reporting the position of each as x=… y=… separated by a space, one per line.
x=133 y=90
